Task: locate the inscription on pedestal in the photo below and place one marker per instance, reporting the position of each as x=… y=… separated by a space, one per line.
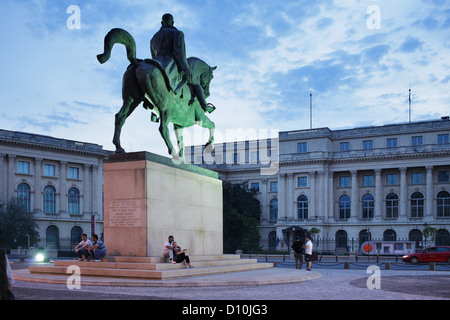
x=125 y=213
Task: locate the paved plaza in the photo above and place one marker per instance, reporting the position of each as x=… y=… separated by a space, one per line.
x=327 y=284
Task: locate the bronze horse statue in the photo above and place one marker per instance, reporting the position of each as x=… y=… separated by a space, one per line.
x=146 y=81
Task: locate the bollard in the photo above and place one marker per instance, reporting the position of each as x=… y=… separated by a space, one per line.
x=346 y=265
x=387 y=266
x=432 y=266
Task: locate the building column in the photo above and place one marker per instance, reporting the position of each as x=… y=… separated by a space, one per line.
x=282 y=196
x=403 y=195
x=378 y=195
x=264 y=203
x=324 y=214
x=312 y=199
x=38 y=201
x=95 y=189
x=290 y=196
x=330 y=215
x=320 y=196
x=63 y=205
x=87 y=205
x=11 y=174
x=2 y=179
x=355 y=199
x=429 y=201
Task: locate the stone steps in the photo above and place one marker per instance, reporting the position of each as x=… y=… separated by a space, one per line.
x=153 y=268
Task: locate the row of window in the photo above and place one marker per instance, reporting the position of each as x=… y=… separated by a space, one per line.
x=391 y=179
x=52 y=236
x=368 y=205
x=341 y=237
x=23 y=167
x=49 y=198
x=442 y=139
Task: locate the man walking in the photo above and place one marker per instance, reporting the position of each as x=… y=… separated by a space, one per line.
x=298 y=253
x=308 y=253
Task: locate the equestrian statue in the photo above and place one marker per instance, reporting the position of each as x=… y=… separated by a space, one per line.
x=172 y=86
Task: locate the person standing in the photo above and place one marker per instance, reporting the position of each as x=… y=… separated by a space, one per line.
x=6 y=277
x=308 y=253
x=298 y=253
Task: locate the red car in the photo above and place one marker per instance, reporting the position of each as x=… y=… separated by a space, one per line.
x=431 y=254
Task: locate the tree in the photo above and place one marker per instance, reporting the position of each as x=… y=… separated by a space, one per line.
x=241 y=213
x=428 y=232
x=17 y=226
x=313 y=231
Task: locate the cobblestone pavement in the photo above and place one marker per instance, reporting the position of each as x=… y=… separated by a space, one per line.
x=333 y=285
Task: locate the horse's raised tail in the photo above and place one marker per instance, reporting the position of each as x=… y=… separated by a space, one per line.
x=121 y=36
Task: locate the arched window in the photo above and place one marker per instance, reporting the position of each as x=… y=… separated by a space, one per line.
x=272 y=240
x=49 y=199
x=302 y=207
x=443 y=204
x=442 y=237
x=52 y=236
x=74 y=201
x=341 y=239
x=75 y=236
x=417 y=202
x=367 y=206
x=364 y=236
x=389 y=235
x=23 y=196
x=416 y=235
x=344 y=207
x=273 y=210
x=391 y=206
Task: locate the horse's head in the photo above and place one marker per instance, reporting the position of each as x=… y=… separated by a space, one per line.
x=205 y=80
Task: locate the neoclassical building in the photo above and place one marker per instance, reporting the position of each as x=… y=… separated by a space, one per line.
x=58 y=181
x=382 y=182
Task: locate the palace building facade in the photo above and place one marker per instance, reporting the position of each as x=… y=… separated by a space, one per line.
x=386 y=182
x=58 y=181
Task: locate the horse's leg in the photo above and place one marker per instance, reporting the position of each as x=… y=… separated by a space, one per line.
x=207 y=123
x=164 y=131
x=179 y=134
x=129 y=104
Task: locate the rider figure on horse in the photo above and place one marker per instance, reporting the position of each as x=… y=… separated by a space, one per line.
x=168 y=48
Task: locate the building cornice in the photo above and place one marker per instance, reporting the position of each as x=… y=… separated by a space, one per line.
x=41 y=142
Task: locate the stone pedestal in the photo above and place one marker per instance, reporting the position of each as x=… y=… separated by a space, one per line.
x=147 y=197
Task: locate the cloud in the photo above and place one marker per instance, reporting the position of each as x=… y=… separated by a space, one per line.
x=270 y=56
x=410 y=45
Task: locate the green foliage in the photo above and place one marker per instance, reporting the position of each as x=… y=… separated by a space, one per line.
x=15 y=225
x=241 y=213
x=314 y=231
x=429 y=232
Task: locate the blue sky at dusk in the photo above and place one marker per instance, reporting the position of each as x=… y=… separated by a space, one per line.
x=357 y=57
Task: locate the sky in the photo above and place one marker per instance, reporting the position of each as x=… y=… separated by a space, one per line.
x=358 y=59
